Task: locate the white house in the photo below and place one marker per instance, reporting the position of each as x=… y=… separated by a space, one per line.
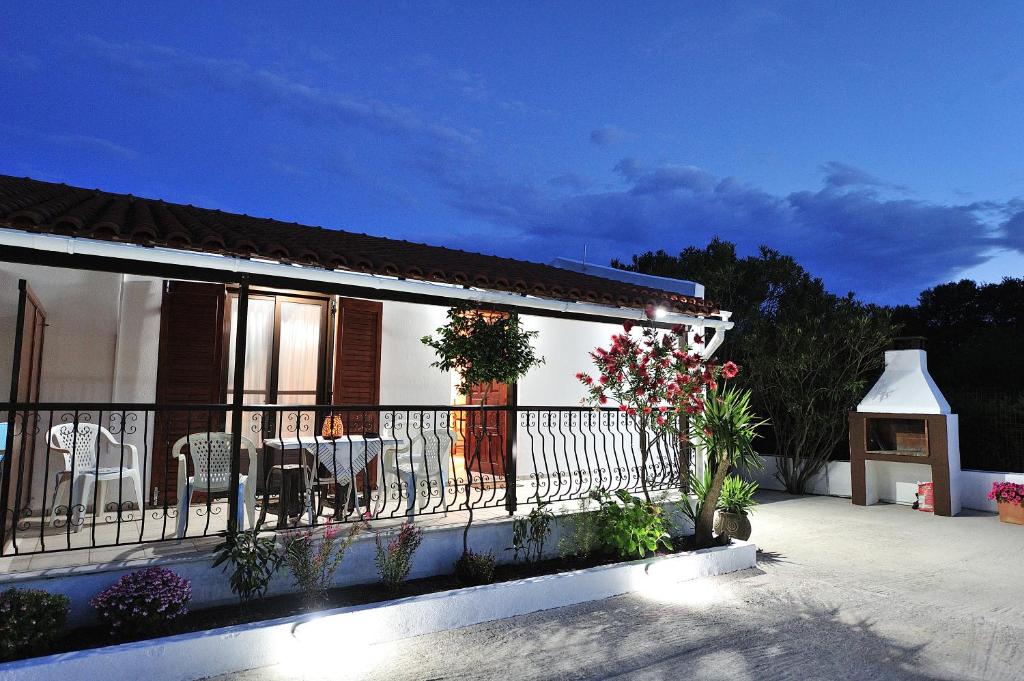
x=126 y=376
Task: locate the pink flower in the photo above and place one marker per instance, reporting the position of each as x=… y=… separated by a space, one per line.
x=729 y=369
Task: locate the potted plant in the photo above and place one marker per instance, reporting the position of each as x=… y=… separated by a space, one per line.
x=735 y=504
x=1009 y=498
x=726 y=428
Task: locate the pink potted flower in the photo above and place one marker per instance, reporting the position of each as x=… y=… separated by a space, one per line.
x=1009 y=498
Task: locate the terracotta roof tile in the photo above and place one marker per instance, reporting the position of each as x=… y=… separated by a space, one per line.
x=36 y=206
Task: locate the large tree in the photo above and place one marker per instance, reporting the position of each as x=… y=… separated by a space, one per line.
x=807 y=355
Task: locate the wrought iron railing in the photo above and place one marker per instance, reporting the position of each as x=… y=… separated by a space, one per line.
x=72 y=474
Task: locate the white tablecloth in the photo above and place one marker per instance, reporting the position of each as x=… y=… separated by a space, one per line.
x=348 y=455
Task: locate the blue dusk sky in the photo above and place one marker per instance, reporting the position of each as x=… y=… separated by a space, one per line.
x=880 y=143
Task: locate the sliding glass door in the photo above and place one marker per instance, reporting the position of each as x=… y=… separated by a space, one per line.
x=285 y=360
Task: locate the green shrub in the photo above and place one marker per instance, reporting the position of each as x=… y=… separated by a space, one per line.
x=30 y=620
x=630 y=526
x=530 y=532
x=473 y=568
x=254 y=560
x=582 y=537
x=737 y=496
x=394 y=559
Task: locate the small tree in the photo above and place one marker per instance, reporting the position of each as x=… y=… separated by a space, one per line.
x=655 y=380
x=727 y=428
x=484 y=348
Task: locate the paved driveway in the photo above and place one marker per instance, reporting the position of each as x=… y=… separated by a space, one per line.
x=841 y=592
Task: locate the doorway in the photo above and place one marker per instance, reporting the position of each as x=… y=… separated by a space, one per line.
x=484 y=434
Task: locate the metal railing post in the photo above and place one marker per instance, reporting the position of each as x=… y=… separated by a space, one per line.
x=511 y=430
x=238 y=395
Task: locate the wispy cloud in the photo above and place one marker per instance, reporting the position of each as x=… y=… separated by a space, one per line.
x=609 y=135
x=98 y=144
x=839 y=175
x=88 y=143
x=166 y=69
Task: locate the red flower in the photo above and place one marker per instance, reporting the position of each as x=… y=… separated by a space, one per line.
x=627 y=325
x=679 y=329
x=697 y=338
x=729 y=369
x=707 y=432
x=660 y=420
x=623 y=407
x=602 y=399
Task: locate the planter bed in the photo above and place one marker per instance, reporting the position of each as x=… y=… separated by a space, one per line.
x=232 y=638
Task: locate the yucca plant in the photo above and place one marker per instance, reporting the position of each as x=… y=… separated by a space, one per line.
x=726 y=428
x=737 y=496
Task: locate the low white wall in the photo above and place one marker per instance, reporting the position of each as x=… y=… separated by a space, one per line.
x=436 y=556
x=897 y=483
x=312 y=645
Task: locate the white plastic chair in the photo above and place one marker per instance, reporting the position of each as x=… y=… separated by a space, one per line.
x=423 y=465
x=211 y=466
x=79 y=444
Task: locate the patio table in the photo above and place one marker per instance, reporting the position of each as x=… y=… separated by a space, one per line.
x=344 y=457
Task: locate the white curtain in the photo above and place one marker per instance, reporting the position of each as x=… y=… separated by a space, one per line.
x=298 y=361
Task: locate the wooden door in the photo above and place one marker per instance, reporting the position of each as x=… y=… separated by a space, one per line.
x=484 y=432
x=189 y=371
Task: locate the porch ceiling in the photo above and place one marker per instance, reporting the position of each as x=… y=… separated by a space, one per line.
x=34 y=206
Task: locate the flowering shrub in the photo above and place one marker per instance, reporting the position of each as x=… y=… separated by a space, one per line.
x=29 y=620
x=313 y=563
x=655 y=380
x=1007 y=492
x=144 y=600
x=394 y=559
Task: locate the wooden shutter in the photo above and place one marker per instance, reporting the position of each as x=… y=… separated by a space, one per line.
x=189 y=371
x=357 y=358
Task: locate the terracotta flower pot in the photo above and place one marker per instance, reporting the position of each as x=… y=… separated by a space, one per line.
x=735 y=525
x=1011 y=513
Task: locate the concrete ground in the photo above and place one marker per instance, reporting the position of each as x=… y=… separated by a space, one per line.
x=841 y=592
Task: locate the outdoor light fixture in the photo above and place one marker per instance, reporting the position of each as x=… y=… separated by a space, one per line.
x=659 y=313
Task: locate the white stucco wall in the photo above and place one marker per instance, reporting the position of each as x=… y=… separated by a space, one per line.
x=897 y=482
x=406 y=376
